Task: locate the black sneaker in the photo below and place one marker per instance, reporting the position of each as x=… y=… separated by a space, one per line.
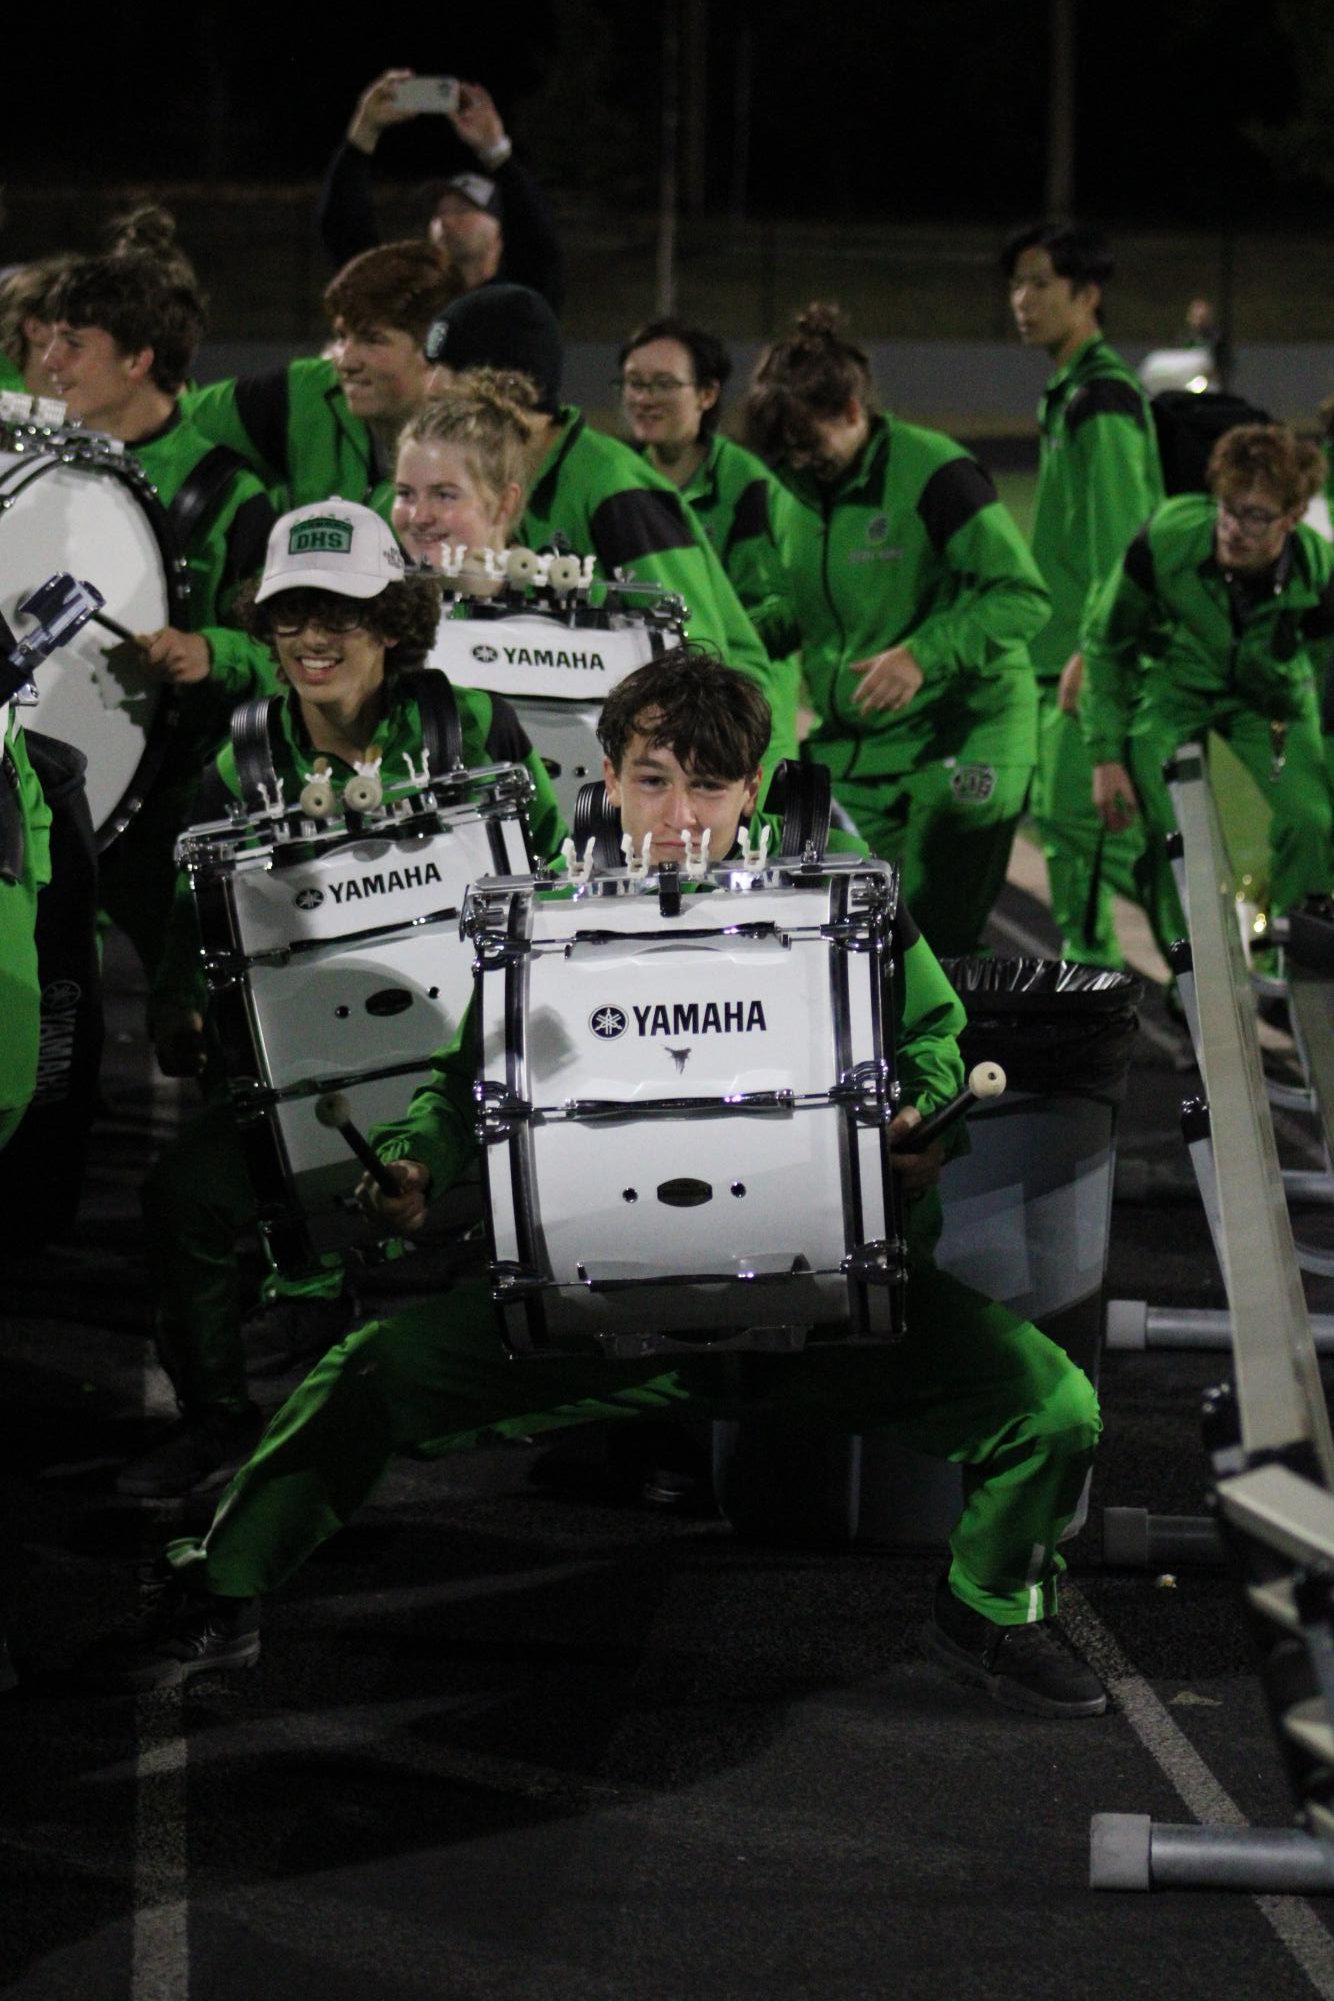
x=1025 y=1667
x=193 y=1455
x=176 y=1632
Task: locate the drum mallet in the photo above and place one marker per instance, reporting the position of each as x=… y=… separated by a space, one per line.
x=334 y=1111
x=114 y=625
x=985 y=1080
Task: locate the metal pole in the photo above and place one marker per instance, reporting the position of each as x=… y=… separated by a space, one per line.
x=1060 y=199
x=668 y=158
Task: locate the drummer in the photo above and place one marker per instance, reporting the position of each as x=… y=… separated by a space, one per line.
x=343 y=622
x=125 y=329
x=683 y=739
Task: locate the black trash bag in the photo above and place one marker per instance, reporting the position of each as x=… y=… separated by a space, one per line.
x=1053 y=1027
x=42 y=1168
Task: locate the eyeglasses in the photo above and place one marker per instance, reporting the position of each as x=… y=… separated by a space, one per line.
x=648 y=385
x=337 y=619
x=1256 y=518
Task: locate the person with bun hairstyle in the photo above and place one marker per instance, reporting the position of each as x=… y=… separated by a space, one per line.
x=915 y=599
x=1219 y=618
x=346 y=625
x=671 y=380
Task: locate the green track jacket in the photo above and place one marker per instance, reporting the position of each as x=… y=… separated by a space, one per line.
x=1098 y=481
x=294 y=427
x=1164 y=623
x=607 y=501
x=913 y=548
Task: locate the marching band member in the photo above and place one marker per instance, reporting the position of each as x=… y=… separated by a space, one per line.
x=595 y=494
x=343 y=622
x=915 y=599
x=671 y=383
x=330 y=426
x=1098 y=481
x=125 y=330
x=683 y=738
x=1217 y=619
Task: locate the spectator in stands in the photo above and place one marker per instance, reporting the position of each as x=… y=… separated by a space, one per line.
x=492 y=224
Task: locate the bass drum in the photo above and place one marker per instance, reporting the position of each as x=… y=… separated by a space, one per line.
x=70 y=501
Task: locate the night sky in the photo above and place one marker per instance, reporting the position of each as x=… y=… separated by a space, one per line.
x=926 y=109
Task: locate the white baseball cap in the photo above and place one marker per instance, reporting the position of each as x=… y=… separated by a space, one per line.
x=332 y=545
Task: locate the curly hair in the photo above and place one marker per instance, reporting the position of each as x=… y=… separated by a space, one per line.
x=712 y=719
x=489 y=414
x=813 y=374
x=404 y=616
x=1292 y=466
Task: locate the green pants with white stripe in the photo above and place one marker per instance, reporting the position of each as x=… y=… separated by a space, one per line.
x=969 y=1383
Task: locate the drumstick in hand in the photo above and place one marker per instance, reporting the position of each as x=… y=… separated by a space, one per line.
x=985 y=1080
x=114 y=625
x=334 y=1111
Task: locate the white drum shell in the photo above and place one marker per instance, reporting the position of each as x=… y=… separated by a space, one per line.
x=64 y=505
x=351 y=972
x=557 y=676
x=792 y=1193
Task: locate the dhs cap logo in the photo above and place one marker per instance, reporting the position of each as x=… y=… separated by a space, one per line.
x=608 y=1022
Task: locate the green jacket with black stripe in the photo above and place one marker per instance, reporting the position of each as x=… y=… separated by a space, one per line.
x=222 y=546
x=294 y=427
x=1098 y=480
x=607 y=501
x=1164 y=632
x=730 y=496
x=911 y=547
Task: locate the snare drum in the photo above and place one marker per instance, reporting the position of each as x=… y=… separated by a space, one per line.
x=557 y=668
x=336 y=964
x=74 y=501
x=684 y=1115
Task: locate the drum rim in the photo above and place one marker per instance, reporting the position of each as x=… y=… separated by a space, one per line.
x=48 y=454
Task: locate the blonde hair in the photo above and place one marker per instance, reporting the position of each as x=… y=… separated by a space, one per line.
x=489 y=413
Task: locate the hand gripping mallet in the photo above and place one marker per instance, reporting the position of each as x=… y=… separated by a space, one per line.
x=985 y=1080
x=334 y=1111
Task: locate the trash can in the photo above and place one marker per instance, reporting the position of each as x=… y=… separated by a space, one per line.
x=1027 y=1220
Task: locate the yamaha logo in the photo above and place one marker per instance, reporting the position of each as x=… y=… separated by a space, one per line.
x=308 y=899
x=608 y=1022
x=485 y=653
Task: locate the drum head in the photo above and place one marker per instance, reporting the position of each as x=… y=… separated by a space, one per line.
x=86 y=517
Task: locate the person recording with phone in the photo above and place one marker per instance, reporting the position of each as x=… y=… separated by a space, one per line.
x=492 y=224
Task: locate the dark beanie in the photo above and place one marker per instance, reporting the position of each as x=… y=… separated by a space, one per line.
x=501 y=326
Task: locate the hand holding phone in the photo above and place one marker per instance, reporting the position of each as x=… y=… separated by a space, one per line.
x=431 y=94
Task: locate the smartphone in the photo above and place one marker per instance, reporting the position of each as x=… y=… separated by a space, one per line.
x=428 y=93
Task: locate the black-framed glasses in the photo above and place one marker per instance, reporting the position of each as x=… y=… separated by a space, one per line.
x=649 y=385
